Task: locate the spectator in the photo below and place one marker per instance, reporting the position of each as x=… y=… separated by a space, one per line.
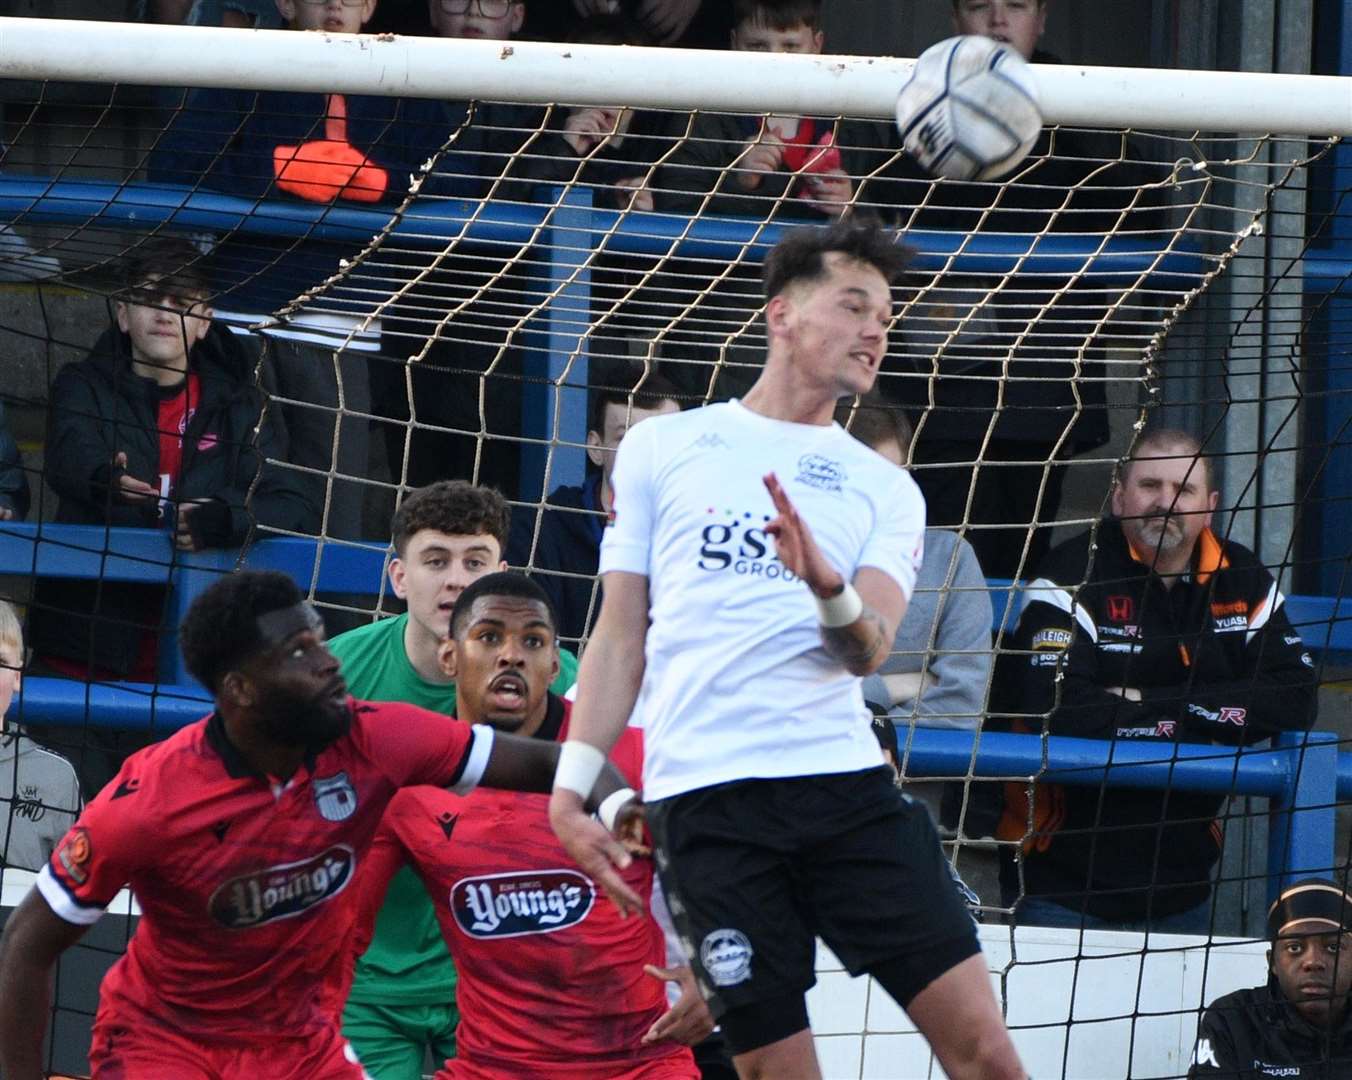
x=318 y=148
x=760 y=166
x=402 y=1003
x=1298 y=1025
x=465 y=376
x=613 y=150
x=1150 y=627
x=1027 y=353
x=155 y=428
x=561 y=541
x=589 y=980
x=939 y=670
x=39 y=793
x=696 y=24
x=242 y=14
x=15 y=496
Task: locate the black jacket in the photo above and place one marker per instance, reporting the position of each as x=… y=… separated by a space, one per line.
x=14 y=492
x=565 y=556
x=1255 y=1034
x=1216 y=660
x=100 y=407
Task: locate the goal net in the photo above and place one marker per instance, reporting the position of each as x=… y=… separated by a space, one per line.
x=440 y=260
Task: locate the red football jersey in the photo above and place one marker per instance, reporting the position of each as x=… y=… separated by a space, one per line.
x=243 y=881
x=551 y=980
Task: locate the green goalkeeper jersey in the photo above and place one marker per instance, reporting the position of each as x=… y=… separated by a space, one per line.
x=407 y=962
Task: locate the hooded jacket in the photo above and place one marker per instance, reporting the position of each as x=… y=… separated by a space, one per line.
x=100 y=407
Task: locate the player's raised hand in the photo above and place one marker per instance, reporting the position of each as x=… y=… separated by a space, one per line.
x=599 y=854
x=689 y=1021
x=795 y=546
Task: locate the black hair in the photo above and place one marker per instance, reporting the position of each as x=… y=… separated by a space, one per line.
x=175 y=262
x=778 y=14
x=801 y=254
x=619 y=384
x=611 y=28
x=502 y=583
x=874 y=421
x=453 y=507
x=220 y=630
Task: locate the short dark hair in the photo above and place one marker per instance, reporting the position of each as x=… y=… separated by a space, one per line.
x=220 y=630
x=1170 y=442
x=502 y=583
x=778 y=14
x=454 y=507
x=618 y=386
x=958 y=3
x=874 y=421
x=174 y=261
x=610 y=28
x=801 y=254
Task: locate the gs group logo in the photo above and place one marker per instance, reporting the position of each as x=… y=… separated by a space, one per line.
x=522 y=902
x=737 y=541
x=281 y=892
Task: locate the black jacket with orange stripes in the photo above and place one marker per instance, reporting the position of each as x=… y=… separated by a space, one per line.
x=1215 y=659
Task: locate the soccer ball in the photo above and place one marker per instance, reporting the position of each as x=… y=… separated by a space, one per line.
x=970 y=109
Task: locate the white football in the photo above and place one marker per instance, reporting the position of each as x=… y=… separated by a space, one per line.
x=970 y=109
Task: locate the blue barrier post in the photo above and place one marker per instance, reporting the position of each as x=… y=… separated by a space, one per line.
x=1301 y=817
x=554 y=396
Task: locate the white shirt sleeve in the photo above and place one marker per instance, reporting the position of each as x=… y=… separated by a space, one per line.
x=897 y=545
x=627 y=543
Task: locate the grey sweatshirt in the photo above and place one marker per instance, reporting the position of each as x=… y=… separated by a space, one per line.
x=947 y=630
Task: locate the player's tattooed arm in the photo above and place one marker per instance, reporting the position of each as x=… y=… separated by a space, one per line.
x=862 y=645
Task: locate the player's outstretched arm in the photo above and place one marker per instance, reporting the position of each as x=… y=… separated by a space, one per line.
x=608 y=683
x=859 y=619
x=34 y=939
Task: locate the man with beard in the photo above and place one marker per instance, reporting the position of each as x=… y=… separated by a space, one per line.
x=239 y=836
x=1149 y=626
x=1298 y=1025
x=529 y=935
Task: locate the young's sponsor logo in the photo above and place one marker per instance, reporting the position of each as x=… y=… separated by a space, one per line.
x=282 y=892
x=521 y=902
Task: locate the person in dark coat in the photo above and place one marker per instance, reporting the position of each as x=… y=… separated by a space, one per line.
x=1298 y=1024
x=161 y=426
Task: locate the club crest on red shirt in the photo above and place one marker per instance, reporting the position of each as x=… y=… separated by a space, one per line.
x=335 y=797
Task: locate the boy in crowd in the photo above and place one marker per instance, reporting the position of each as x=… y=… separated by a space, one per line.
x=563 y=554
x=160 y=426
x=39 y=793
x=445 y=536
x=587 y=980
x=319 y=148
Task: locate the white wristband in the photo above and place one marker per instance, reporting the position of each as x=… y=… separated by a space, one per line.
x=840 y=610
x=579 y=765
x=611 y=804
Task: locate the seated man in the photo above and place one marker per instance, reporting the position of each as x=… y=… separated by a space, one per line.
x=445 y=536
x=240 y=835
x=160 y=426
x=1299 y=1024
x=554 y=981
x=565 y=552
x=39 y=793
x=1149 y=627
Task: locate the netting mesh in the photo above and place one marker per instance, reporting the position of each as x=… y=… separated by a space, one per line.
x=519 y=259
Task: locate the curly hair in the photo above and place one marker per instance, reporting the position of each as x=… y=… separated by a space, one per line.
x=453 y=507
x=220 y=630
x=801 y=253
